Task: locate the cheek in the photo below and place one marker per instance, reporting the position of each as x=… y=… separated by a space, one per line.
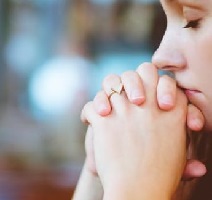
x=205 y=47
x=198 y=53
x=204 y=55
x=199 y=49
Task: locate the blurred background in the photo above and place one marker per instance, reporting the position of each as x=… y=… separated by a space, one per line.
x=54 y=55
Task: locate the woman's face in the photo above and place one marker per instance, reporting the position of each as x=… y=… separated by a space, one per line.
x=186 y=50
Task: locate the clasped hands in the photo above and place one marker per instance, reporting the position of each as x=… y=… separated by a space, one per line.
x=138 y=138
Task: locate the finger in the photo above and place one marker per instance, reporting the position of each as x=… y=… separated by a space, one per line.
x=102 y=104
x=90 y=160
x=166 y=92
x=84 y=118
x=133 y=87
x=181 y=100
x=194 y=169
x=149 y=76
x=113 y=83
x=88 y=113
x=195 y=118
x=181 y=108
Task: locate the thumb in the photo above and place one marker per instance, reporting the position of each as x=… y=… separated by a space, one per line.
x=90 y=160
x=194 y=169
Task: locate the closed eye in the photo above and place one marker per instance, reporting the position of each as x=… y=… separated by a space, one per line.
x=193 y=24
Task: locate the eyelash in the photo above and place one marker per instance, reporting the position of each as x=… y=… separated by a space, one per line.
x=194 y=24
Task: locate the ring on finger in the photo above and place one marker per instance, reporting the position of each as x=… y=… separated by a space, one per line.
x=118 y=90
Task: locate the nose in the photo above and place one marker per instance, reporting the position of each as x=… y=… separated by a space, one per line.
x=169 y=56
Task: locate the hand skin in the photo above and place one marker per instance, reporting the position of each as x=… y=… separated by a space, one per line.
x=140 y=150
x=89 y=186
x=166 y=98
x=133 y=85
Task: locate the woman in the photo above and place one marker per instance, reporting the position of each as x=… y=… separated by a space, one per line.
x=185 y=49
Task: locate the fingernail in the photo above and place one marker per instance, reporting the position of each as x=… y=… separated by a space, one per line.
x=197 y=123
x=102 y=108
x=136 y=95
x=167 y=99
x=200 y=170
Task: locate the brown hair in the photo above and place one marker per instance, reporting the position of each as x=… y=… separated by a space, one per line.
x=200 y=188
x=202 y=145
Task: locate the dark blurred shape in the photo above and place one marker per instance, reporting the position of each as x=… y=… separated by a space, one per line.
x=158 y=27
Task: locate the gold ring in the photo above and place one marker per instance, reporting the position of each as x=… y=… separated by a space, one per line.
x=118 y=90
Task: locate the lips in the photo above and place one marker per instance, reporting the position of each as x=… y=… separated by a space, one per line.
x=187 y=89
x=194 y=96
x=189 y=92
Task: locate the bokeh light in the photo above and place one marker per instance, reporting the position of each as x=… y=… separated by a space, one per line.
x=54 y=86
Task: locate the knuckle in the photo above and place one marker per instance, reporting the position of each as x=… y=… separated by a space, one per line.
x=149 y=73
x=99 y=94
x=96 y=98
x=100 y=97
x=87 y=106
x=110 y=78
x=128 y=74
x=145 y=65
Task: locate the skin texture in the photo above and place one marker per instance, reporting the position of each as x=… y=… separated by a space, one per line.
x=132 y=142
x=114 y=81
x=187 y=52
x=89 y=186
x=166 y=98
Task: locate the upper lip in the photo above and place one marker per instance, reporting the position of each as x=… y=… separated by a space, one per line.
x=186 y=88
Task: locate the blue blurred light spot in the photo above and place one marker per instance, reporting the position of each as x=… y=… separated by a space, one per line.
x=53 y=87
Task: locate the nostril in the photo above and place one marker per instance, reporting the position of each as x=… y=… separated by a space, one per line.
x=168 y=68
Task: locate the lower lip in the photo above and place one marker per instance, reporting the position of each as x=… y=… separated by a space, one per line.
x=195 y=97
x=191 y=92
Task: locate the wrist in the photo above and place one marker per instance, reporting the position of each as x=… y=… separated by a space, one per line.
x=129 y=194
x=136 y=191
x=89 y=186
